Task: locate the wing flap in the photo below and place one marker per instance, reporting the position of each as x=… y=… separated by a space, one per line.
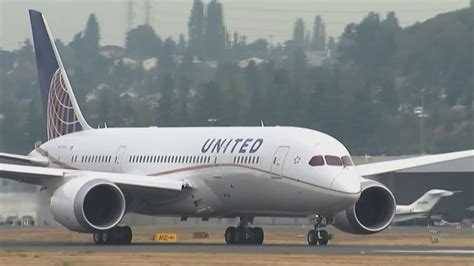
x=402 y=164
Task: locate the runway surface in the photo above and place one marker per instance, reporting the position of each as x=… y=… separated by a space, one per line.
x=222 y=248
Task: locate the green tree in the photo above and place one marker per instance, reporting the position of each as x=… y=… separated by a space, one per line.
x=181 y=46
x=25 y=55
x=298 y=33
x=318 y=41
x=208 y=104
x=34 y=123
x=214 y=31
x=196 y=28
x=91 y=36
x=86 y=43
x=258 y=48
x=298 y=67
x=7 y=60
x=142 y=42
x=166 y=60
x=166 y=102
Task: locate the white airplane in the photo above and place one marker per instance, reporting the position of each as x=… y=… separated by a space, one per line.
x=96 y=176
x=421 y=207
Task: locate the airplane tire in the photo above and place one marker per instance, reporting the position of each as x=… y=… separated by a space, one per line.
x=323 y=237
x=117 y=235
x=128 y=235
x=98 y=238
x=123 y=235
x=230 y=235
x=258 y=235
x=106 y=237
x=312 y=237
x=240 y=236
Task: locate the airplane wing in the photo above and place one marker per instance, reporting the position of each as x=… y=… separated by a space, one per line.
x=9 y=158
x=396 y=165
x=41 y=175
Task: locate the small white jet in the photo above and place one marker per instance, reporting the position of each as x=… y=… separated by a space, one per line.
x=96 y=176
x=421 y=207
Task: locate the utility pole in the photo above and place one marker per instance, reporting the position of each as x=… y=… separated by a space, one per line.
x=130 y=15
x=148 y=12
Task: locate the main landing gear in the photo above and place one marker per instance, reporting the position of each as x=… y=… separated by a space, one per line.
x=119 y=235
x=317 y=236
x=242 y=234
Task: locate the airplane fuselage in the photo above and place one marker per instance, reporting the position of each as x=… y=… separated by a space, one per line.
x=232 y=171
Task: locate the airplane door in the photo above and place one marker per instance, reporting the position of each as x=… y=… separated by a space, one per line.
x=278 y=161
x=118 y=159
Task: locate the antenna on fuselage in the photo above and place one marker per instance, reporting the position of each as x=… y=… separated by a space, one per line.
x=261 y=123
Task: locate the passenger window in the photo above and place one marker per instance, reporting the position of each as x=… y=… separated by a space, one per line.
x=333 y=160
x=347 y=161
x=316 y=160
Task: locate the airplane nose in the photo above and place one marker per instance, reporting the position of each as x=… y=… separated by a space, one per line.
x=348 y=181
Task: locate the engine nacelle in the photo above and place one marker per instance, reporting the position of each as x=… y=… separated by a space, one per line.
x=87 y=205
x=372 y=213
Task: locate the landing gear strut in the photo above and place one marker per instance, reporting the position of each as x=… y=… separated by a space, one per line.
x=243 y=234
x=316 y=235
x=119 y=235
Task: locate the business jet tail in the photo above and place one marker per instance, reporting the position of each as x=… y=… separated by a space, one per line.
x=426 y=202
x=63 y=115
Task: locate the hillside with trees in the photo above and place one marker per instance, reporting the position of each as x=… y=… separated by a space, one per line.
x=364 y=87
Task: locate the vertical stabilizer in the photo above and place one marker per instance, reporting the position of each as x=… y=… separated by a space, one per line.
x=63 y=115
x=426 y=202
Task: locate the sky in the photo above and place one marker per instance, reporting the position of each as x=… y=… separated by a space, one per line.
x=252 y=18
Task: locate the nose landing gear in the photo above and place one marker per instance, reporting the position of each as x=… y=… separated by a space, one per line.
x=242 y=234
x=316 y=235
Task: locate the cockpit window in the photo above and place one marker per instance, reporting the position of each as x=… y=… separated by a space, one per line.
x=316 y=160
x=333 y=160
x=347 y=161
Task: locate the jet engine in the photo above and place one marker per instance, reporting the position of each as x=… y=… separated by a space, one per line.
x=372 y=213
x=88 y=205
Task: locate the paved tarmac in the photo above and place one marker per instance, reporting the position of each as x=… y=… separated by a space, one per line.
x=222 y=248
